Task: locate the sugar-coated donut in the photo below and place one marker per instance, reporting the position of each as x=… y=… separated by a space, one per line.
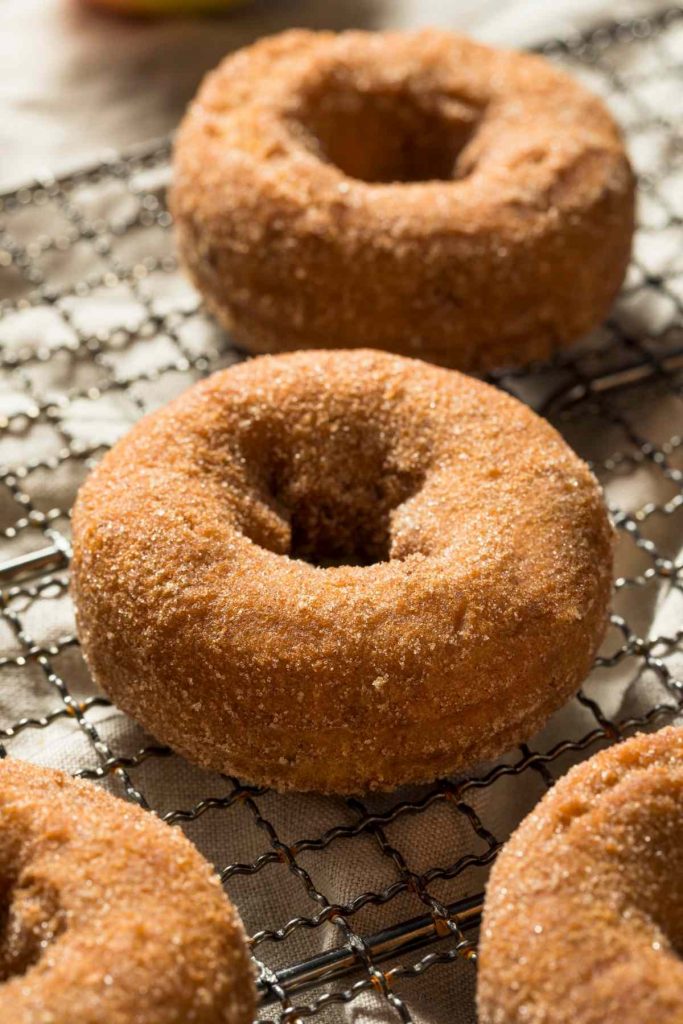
x=109 y=916
x=475 y=571
x=583 y=921
x=419 y=193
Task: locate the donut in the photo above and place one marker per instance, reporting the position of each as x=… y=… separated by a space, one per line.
x=108 y=915
x=583 y=919
x=340 y=571
x=419 y=193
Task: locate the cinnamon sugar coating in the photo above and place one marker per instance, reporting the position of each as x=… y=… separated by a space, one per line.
x=475 y=571
x=583 y=921
x=419 y=193
x=109 y=916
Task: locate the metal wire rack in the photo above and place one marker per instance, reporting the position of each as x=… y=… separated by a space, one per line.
x=97 y=326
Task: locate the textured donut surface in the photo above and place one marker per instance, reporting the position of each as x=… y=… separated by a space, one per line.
x=109 y=916
x=419 y=193
x=583 y=921
x=480 y=571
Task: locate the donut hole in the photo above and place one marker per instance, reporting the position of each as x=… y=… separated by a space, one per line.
x=658 y=886
x=343 y=522
x=663 y=902
x=647 y=820
x=327 y=495
x=388 y=135
x=354 y=529
x=30 y=920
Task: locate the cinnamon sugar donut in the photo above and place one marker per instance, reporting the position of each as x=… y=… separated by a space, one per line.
x=419 y=193
x=461 y=571
x=109 y=916
x=583 y=922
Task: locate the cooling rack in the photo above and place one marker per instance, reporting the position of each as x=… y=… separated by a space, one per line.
x=98 y=327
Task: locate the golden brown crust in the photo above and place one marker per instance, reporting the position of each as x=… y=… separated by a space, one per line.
x=583 y=922
x=480 y=615
x=519 y=252
x=112 y=916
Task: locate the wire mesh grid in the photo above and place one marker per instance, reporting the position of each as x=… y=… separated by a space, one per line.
x=99 y=327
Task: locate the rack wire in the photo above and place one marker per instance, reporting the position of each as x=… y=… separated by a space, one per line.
x=97 y=326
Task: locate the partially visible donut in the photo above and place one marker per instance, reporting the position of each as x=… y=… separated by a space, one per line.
x=419 y=193
x=108 y=915
x=583 y=921
x=462 y=570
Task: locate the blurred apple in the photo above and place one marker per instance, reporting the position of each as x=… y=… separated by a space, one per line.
x=151 y=7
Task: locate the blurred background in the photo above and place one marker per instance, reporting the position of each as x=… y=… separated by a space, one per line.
x=78 y=81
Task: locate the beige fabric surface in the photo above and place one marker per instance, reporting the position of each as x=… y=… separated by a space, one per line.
x=90 y=86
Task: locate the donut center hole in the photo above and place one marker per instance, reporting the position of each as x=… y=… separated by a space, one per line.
x=337 y=516
x=29 y=921
x=389 y=136
x=326 y=536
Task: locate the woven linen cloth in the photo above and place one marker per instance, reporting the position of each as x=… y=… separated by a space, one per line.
x=439 y=834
